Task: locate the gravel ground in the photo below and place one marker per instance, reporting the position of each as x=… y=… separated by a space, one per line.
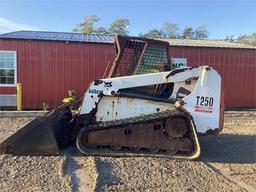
x=234 y=150
x=227 y=163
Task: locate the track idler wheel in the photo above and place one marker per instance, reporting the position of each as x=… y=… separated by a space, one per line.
x=153 y=150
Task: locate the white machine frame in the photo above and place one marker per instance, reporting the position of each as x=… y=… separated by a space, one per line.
x=203 y=103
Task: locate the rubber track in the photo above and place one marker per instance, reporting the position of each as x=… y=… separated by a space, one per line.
x=137 y=120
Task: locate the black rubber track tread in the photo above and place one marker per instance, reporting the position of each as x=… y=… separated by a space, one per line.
x=136 y=120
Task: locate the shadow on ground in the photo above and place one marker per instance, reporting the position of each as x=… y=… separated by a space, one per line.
x=71 y=166
x=223 y=148
x=105 y=176
x=228 y=148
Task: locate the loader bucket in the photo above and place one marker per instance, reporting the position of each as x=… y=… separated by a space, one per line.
x=42 y=136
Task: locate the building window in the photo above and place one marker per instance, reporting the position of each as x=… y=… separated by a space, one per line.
x=8 y=67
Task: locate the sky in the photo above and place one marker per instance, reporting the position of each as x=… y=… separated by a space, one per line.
x=220 y=17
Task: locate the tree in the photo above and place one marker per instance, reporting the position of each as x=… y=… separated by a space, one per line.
x=153 y=33
x=243 y=39
x=119 y=27
x=187 y=33
x=253 y=39
x=229 y=38
x=201 y=33
x=247 y=39
x=87 y=26
x=101 y=31
x=170 y=30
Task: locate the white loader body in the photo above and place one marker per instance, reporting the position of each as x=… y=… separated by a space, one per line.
x=203 y=102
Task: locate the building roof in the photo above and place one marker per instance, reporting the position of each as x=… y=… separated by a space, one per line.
x=58 y=36
x=207 y=43
x=92 y=38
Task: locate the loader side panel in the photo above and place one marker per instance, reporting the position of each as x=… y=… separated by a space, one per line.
x=115 y=108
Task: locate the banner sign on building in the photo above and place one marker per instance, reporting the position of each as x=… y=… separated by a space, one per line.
x=178 y=62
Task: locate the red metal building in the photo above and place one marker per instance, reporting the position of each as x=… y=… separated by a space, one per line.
x=48 y=64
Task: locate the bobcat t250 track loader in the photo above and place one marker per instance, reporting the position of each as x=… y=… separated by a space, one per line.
x=143 y=114
x=121 y=117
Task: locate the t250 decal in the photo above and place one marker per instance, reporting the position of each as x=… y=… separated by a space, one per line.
x=204 y=101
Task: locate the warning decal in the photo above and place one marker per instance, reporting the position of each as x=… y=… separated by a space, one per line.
x=203 y=109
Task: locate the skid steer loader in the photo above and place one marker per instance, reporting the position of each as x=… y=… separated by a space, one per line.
x=145 y=110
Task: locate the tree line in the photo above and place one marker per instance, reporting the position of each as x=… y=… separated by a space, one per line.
x=120 y=27
x=244 y=39
x=167 y=31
